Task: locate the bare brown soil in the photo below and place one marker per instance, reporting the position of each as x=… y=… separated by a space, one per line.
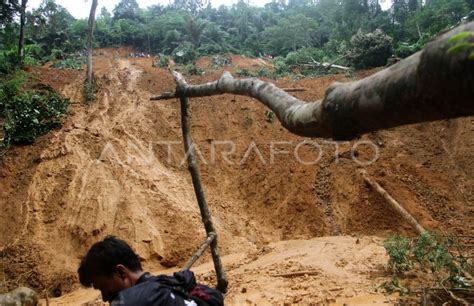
x=109 y=171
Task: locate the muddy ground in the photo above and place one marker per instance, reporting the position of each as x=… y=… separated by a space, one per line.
x=281 y=203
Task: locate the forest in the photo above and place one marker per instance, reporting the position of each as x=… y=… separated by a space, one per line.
x=295 y=30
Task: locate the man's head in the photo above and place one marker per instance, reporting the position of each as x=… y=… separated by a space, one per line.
x=110 y=266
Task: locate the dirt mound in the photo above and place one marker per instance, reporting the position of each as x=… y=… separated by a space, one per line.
x=116 y=167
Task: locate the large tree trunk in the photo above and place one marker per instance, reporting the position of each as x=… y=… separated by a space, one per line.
x=21 y=43
x=89 y=41
x=429 y=85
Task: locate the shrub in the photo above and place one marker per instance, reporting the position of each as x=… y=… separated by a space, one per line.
x=192 y=69
x=403 y=49
x=9 y=61
x=263 y=72
x=371 y=49
x=28 y=114
x=211 y=48
x=279 y=68
x=245 y=73
x=304 y=55
x=184 y=53
x=429 y=253
x=163 y=62
x=72 y=62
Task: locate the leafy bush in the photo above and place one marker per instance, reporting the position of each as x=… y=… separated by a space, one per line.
x=304 y=55
x=279 y=68
x=28 y=114
x=9 y=61
x=397 y=248
x=371 y=49
x=403 y=49
x=184 y=53
x=245 y=73
x=192 y=69
x=211 y=48
x=429 y=253
x=71 y=62
x=263 y=72
x=163 y=62
x=34 y=55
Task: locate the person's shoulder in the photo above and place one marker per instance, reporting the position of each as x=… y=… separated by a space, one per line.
x=144 y=294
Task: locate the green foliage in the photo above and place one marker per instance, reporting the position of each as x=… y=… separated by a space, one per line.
x=304 y=55
x=164 y=61
x=184 y=53
x=9 y=61
x=462 y=42
x=279 y=68
x=397 y=248
x=243 y=72
x=211 y=48
x=71 y=62
x=263 y=73
x=428 y=253
x=269 y=116
x=192 y=69
x=28 y=114
x=371 y=49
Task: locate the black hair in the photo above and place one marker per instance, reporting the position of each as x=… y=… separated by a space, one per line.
x=104 y=256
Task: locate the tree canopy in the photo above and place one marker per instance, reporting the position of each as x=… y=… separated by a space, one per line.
x=278 y=28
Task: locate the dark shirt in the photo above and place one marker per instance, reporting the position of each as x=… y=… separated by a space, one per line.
x=149 y=292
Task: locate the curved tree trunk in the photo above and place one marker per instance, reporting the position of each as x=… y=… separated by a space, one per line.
x=429 y=85
x=89 y=41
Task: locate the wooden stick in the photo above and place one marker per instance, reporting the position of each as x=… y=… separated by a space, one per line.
x=392 y=202
x=165 y=96
x=294 y=89
x=200 y=251
x=297 y=273
x=205 y=214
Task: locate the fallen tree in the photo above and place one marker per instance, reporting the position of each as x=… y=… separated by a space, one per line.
x=403 y=213
x=429 y=85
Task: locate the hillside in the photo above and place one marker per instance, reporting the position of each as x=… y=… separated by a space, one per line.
x=115 y=167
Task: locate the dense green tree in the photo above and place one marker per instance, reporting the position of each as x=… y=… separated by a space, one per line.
x=8 y=9
x=191 y=6
x=127 y=9
x=48 y=25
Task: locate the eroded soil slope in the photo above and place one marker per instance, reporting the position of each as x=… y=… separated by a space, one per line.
x=116 y=167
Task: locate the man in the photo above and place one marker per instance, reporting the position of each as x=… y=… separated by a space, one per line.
x=112 y=267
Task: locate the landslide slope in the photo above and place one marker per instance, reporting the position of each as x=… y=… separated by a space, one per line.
x=116 y=167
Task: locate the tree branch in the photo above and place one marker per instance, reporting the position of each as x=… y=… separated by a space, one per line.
x=200 y=251
x=429 y=85
x=205 y=214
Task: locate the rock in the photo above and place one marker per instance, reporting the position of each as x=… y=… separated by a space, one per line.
x=19 y=297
